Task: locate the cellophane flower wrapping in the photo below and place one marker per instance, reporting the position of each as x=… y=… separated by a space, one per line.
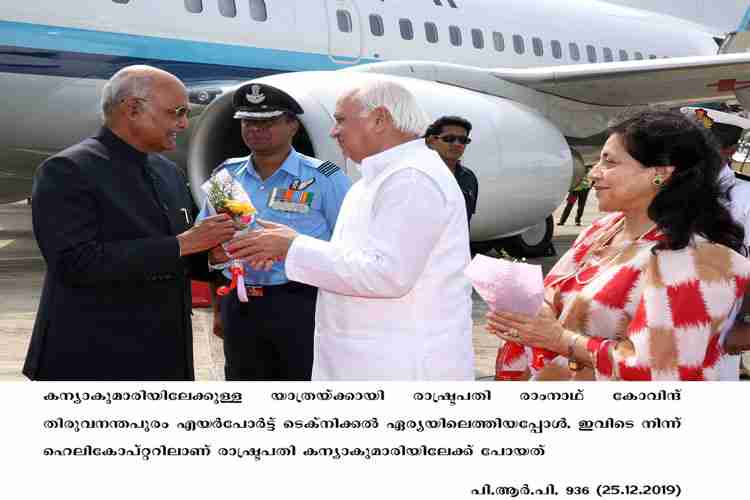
x=224 y=194
x=507 y=286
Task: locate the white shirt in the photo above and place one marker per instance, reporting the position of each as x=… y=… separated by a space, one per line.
x=393 y=301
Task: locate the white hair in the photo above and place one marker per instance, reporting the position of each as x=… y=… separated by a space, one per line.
x=407 y=115
x=132 y=81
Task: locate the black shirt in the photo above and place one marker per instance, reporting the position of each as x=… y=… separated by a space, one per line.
x=467 y=181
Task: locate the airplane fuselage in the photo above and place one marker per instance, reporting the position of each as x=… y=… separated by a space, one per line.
x=54 y=60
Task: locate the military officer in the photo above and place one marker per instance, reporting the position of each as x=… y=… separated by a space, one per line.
x=270 y=337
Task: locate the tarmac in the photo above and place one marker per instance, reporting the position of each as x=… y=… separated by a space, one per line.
x=22 y=273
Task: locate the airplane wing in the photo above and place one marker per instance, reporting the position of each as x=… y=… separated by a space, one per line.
x=675 y=81
x=655 y=81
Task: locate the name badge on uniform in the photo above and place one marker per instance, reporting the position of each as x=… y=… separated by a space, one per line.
x=300 y=185
x=290 y=200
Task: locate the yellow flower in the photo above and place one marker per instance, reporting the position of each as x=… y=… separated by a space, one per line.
x=240 y=207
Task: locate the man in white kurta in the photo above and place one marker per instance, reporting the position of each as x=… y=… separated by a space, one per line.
x=393 y=302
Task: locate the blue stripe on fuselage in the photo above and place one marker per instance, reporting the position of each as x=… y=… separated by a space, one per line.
x=77 y=65
x=72 y=52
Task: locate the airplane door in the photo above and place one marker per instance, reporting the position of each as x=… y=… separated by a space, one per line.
x=344 y=31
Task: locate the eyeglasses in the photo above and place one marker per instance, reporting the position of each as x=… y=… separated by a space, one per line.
x=450 y=139
x=178 y=112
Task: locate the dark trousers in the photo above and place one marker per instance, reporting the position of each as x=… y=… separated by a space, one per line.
x=270 y=337
x=580 y=197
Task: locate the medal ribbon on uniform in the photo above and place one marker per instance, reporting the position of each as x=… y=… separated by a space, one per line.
x=290 y=200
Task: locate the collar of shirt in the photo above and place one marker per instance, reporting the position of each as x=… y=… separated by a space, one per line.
x=726 y=177
x=121 y=148
x=373 y=165
x=290 y=165
x=460 y=170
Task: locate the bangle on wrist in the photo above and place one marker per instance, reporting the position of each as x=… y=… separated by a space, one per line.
x=573 y=364
x=602 y=359
x=592 y=346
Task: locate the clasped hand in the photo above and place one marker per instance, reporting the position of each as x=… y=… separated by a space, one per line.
x=543 y=331
x=260 y=248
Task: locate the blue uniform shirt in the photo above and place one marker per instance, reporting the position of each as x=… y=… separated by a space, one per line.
x=325 y=181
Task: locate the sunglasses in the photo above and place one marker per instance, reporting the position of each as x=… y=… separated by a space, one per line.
x=178 y=112
x=450 y=139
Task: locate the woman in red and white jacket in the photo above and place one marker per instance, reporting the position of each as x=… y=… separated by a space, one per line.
x=646 y=292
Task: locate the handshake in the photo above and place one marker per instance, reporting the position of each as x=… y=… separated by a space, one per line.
x=259 y=247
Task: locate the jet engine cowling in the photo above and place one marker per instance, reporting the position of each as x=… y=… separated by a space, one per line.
x=522 y=162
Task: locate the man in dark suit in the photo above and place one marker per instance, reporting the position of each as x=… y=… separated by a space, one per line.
x=113 y=221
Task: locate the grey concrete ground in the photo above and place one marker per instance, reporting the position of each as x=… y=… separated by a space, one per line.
x=22 y=272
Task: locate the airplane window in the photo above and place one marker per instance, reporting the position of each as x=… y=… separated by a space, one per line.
x=556 y=49
x=518 y=44
x=623 y=55
x=227 y=8
x=638 y=55
x=344 y=20
x=499 y=41
x=452 y=4
x=536 y=43
x=607 y=53
x=258 y=10
x=194 y=6
x=477 y=38
x=376 y=25
x=591 y=52
x=431 y=32
x=575 y=54
x=455 y=35
x=121 y=1
x=407 y=30
x=651 y=56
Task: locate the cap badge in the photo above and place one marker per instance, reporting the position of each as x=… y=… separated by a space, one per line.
x=255 y=96
x=703 y=117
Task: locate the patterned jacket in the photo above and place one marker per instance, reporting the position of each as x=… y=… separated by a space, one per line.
x=657 y=317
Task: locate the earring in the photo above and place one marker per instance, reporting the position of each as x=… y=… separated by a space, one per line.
x=658 y=181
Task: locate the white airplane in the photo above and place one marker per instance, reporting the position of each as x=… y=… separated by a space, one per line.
x=539 y=79
x=720 y=15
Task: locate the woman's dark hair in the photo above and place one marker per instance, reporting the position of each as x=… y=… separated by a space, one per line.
x=691 y=201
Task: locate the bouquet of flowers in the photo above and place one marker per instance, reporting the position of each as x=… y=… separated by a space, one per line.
x=510 y=286
x=225 y=195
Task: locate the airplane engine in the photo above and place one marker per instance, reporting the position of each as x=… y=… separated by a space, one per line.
x=523 y=163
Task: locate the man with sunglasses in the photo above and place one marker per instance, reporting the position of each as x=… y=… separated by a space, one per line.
x=113 y=220
x=270 y=337
x=449 y=136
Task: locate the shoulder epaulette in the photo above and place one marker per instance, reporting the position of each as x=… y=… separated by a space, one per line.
x=228 y=163
x=328 y=168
